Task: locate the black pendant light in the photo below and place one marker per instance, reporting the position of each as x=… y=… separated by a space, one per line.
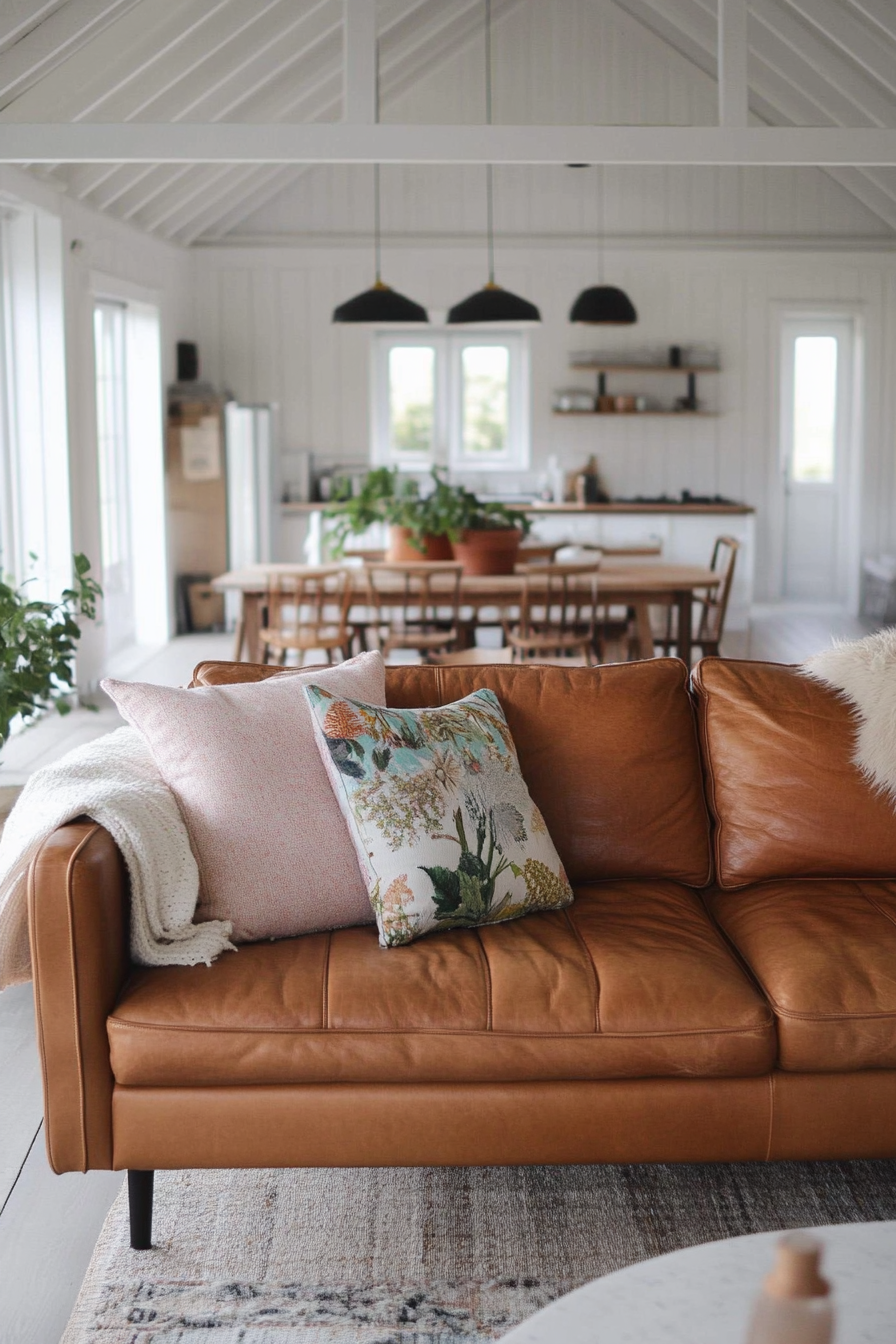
x=379 y=305
x=603 y=305
x=491 y=303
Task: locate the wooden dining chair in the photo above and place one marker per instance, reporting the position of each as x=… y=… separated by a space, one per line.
x=414 y=606
x=308 y=609
x=557 y=613
x=711 y=604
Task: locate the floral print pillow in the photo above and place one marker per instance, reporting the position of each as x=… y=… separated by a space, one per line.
x=446 y=833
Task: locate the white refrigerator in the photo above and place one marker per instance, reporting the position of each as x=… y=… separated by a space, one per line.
x=251 y=484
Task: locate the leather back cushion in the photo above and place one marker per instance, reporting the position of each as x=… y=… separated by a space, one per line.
x=786 y=798
x=609 y=754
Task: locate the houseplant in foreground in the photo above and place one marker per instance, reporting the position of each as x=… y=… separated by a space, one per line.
x=37 y=646
x=421 y=527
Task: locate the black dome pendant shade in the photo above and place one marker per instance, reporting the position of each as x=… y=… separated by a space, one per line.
x=380 y=304
x=603 y=305
x=493 y=304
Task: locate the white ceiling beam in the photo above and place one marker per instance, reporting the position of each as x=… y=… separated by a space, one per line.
x=192 y=142
x=359 y=61
x=732 y=63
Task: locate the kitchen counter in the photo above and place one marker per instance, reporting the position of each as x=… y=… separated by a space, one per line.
x=615 y=506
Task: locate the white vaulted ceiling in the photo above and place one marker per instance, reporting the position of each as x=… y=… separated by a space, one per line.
x=626 y=62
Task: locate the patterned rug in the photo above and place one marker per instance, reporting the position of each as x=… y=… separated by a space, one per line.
x=424 y=1256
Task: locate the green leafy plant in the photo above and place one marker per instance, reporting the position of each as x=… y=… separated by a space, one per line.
x=37 y=646
x=476 y=515
x=386 y=496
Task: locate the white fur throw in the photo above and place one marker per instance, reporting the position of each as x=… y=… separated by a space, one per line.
x=864 y=671
x=115 y=781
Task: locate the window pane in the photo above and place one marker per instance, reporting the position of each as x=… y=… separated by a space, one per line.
x=814 y=408
x=486 y=370
x=412 y=399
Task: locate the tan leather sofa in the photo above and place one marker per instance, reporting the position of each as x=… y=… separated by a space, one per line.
x=723 y=987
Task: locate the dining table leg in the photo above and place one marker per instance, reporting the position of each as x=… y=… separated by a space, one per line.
x=685 y=603
x=253 y=604
x=643 y=629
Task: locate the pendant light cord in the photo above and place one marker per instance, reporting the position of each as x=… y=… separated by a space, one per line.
x=377 y=246
x=602 y=222
x=489 y=178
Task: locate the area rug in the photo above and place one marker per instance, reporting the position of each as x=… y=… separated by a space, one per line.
x=427 y=1255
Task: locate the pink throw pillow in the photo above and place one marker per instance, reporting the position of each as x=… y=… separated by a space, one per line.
x=274 y=854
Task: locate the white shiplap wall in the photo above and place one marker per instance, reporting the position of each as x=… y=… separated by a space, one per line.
x=264 y=331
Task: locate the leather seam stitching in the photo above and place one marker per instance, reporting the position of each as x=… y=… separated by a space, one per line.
x=873 y=903
x=771 y=1115
x=69 y=892
x=39 y=1015
x=325 y=1004
x=589 y=961
x=487 y=977
x=120 y=1025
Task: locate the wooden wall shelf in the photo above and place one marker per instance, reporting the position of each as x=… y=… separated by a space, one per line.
x=642 y=415
x=597 y=366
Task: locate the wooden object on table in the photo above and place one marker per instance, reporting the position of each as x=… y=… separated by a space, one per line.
x=712 y=605
x=308 y=610
x=474 y=657
x=414 y=606
x=558 y=613
x=629 y=585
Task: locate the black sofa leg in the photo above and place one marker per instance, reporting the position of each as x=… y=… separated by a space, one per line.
x=140 y=1208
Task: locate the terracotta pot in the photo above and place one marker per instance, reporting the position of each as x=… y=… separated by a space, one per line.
x=491 y=551
x=401 y=550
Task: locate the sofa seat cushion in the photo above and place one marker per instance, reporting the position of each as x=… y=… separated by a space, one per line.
x=825 y=955
x=633 y=980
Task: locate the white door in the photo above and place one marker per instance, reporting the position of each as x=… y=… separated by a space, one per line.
x=119 y=617
x=816 y=441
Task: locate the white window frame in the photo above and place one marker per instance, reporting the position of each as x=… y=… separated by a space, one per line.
x=448 y=427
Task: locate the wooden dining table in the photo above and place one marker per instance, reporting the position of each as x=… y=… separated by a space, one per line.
x=622 y=583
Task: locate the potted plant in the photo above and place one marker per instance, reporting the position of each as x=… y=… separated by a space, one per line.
x=421 y=527
x=37 y=646
x=490 y=534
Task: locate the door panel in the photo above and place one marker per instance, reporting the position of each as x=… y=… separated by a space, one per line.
x=816 y=416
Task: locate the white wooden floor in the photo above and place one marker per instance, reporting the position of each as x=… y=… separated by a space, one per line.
x=49 y=1224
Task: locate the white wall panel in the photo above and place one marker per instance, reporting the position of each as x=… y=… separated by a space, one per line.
x=264 y=328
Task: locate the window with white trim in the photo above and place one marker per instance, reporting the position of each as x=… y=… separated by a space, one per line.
x=457 y=400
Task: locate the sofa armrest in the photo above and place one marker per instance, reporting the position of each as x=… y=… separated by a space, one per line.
x=78 y=895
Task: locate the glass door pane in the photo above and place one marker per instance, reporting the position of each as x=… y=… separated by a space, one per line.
x=813 y=457
x=112 y=454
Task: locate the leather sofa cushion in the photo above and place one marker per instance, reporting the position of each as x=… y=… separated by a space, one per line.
x=825 y=956
x=633 y=980
x=610 y=756
x=786 y=798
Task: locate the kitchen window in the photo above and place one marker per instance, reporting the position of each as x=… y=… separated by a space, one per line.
x=451 y=400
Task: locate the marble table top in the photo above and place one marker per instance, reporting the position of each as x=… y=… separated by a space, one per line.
x=705 y=1294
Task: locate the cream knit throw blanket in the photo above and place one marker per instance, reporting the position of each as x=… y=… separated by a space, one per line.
x=864 y=671
x=115 y=781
